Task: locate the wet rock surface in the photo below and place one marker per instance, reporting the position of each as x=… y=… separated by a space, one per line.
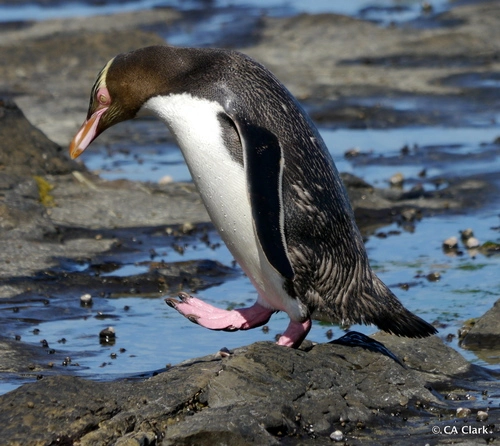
x=264 y=394
x=485 y=333
x=56 y=216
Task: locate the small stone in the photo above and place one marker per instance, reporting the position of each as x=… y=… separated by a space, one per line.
x=463 y=412
x=471 y=243
x=107 y=336
x=31 y=404
x=265 y=329
x=410 y=214
x=329 y=334
x=397 y=180
x=450 y=243
x=166 y=179
x=86 y=300
x=187 y=227
x=352 y=153
x=466 y=234
x=481 y=415
x=337 y=435
x=433 y=277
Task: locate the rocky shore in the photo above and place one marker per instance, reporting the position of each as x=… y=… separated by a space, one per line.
x=258 y=394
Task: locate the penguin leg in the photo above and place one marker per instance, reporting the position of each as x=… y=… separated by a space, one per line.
x=215 y=318
x=295 y=333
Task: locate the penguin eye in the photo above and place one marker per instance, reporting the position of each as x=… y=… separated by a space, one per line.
x=103 y=96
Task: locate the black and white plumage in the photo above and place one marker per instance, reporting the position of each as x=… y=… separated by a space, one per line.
x=267 y=180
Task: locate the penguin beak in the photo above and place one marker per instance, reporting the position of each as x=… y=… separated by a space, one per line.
x=86 y=134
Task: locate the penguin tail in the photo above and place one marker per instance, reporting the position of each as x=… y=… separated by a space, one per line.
x=379 y=306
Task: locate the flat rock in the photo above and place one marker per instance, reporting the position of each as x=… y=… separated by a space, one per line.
x=485 y=333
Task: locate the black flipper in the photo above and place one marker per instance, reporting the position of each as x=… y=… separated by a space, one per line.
x=263 y=165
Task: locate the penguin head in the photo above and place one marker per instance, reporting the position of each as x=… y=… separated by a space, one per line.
x=123 y=86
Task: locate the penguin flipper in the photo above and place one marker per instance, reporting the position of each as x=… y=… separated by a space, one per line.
x=263 y=163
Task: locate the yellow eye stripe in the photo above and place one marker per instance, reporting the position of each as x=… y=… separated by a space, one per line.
x=101 y=80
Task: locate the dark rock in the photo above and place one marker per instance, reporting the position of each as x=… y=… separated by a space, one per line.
x=25 y=150
x=261 y=394
x=485 y=333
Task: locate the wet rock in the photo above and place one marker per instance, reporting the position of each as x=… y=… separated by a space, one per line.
x=450 y=246
x=397 y=180
x=337 y=435
x=25 y=149
x=481 y=415
x=434 y=276
x=466 y=234
x=107 y=336
x=463 y=412
x=485 y=333
x=261 y=394
x=86 y=300
x=472 y=242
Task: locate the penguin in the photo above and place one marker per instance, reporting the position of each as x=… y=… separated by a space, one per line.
x=269 y=184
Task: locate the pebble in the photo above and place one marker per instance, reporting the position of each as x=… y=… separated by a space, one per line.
x=433 y=277
x=466 y=234
x=450 y=243
x=397 y=180
x=337 y=435
x=410 y=215
x=463 y=412
x=86 y=300
x=167 y=179
x=107 y=335
x=187 y=227
x=352 y=153
x=472 y=242
x=481 y=415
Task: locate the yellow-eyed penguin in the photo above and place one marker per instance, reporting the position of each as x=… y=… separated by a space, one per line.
x=267 y=180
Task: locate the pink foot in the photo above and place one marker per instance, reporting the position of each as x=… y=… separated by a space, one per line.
x=295 y=333
x=214 y=318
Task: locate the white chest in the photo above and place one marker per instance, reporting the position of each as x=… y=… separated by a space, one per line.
x=222 y=184
x=220 y=180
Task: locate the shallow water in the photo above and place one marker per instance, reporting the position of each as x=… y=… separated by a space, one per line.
x=381 y=11
x=154 y=335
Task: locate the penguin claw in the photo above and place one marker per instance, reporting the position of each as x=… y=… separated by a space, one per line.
x=171 y=302
x=184 y=297
x=193 y=318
